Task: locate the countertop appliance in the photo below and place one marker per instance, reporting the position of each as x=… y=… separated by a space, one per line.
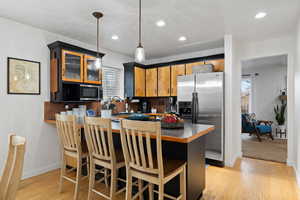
x=208 y=92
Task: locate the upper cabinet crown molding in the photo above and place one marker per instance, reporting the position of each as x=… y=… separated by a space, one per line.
x=71 y=47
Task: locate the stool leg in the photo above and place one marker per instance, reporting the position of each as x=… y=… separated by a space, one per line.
x=62 y=173
x=91 y=180
x=78 y=177
x=140 y=184
x=161 y=191
x=183 y=183
x=113 y=184
x=150 y=191
x=128 y=185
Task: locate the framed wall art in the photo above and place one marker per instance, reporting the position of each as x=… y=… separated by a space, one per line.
x=23 y=76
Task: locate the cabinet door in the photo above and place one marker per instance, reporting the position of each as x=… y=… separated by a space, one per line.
x=164 y=81
x=176 y=70
x=91 y=73
x=139 y=82
x=151 y=82
x=189 y=66
x=218 y=64
x=72 y=66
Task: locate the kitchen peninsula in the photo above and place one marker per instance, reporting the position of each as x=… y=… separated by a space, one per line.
x=181 y=144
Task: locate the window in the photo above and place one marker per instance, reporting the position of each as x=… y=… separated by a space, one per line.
x=111 y=82
x=246 y=87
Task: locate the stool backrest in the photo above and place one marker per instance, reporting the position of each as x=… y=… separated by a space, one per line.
x=98 y=134
x=136 y=143
x=69 y=133
x=13 y=168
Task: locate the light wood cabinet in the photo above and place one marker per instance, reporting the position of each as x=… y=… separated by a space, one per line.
x=151 y=82
x=218 y=64
x=91 y=73
x=72 y=66
x=164 y=81
x=139 y=82
x=176 y=70
x=189 y=66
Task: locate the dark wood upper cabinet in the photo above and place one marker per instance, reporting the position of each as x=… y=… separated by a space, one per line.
x=70 y=64
x=163 y=82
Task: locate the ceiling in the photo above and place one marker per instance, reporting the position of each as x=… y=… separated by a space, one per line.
x=270 y=61
x=203 y=22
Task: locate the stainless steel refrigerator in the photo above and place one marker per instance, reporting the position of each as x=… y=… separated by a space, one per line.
x=209 y=88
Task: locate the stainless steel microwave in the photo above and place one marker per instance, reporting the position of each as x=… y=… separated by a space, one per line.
x=81 y=92
x=90 y=92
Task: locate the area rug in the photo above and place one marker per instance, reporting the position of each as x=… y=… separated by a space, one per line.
x=267 y=149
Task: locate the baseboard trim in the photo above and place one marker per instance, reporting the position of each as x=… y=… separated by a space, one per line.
x=40 y=171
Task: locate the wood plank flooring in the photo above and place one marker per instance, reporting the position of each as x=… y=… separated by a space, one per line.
x=249 y=179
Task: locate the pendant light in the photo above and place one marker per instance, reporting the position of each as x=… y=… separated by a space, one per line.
x=98 y=62
x=140 y=52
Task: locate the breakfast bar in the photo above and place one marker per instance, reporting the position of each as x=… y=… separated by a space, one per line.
x=186 y=144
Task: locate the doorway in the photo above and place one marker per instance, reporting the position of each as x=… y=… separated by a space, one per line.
x=264 y=108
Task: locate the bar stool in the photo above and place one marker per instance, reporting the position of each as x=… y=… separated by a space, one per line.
x=13 y=168
x=141 y=162
x=71 y=148
x=98 y=134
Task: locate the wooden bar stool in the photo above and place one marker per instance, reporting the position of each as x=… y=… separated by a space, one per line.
x=13 y=168
x=141 y=162
x=98 y=134
x=71 y=148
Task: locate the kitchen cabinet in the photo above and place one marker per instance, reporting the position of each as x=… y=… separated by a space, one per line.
x=139 y=81
x=91 y=73
x=218 y=64
x=163 y=83
x=72 y=66
x=151 y=82
x=189 y=66
x=176 y=70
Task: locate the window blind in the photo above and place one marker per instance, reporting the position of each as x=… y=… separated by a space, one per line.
x=111 y=82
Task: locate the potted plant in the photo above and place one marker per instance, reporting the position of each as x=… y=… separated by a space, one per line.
x=107 y=107
x=280 y=115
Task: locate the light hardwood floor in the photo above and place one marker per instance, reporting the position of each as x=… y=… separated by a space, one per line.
x=249 y=179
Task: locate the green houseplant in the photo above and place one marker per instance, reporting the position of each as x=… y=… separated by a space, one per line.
x=280 y=114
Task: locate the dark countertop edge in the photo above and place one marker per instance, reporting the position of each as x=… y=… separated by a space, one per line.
x=164 y=137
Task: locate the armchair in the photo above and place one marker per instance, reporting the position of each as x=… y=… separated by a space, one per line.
x=257 y=127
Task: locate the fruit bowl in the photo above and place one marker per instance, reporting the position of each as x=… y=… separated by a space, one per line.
x=172 y=122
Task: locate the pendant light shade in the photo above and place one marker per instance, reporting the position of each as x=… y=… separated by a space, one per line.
x=98 y=62
x=140 y=52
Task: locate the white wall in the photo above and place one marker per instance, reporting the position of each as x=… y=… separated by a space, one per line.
x=245 y=50
x=266 y=89
x=297 y=103
x=232 y=100
x=23 y=114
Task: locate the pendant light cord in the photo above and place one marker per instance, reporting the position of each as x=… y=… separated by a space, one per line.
x=140 y=24
x=97 y=37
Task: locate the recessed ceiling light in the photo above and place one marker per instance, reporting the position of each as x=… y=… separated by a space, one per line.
x=160 y=23
x=182 y=38
x=115 y=37
x=260 y=15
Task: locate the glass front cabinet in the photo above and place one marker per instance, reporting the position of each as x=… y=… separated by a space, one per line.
x=78 y=67
x=91 y=73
